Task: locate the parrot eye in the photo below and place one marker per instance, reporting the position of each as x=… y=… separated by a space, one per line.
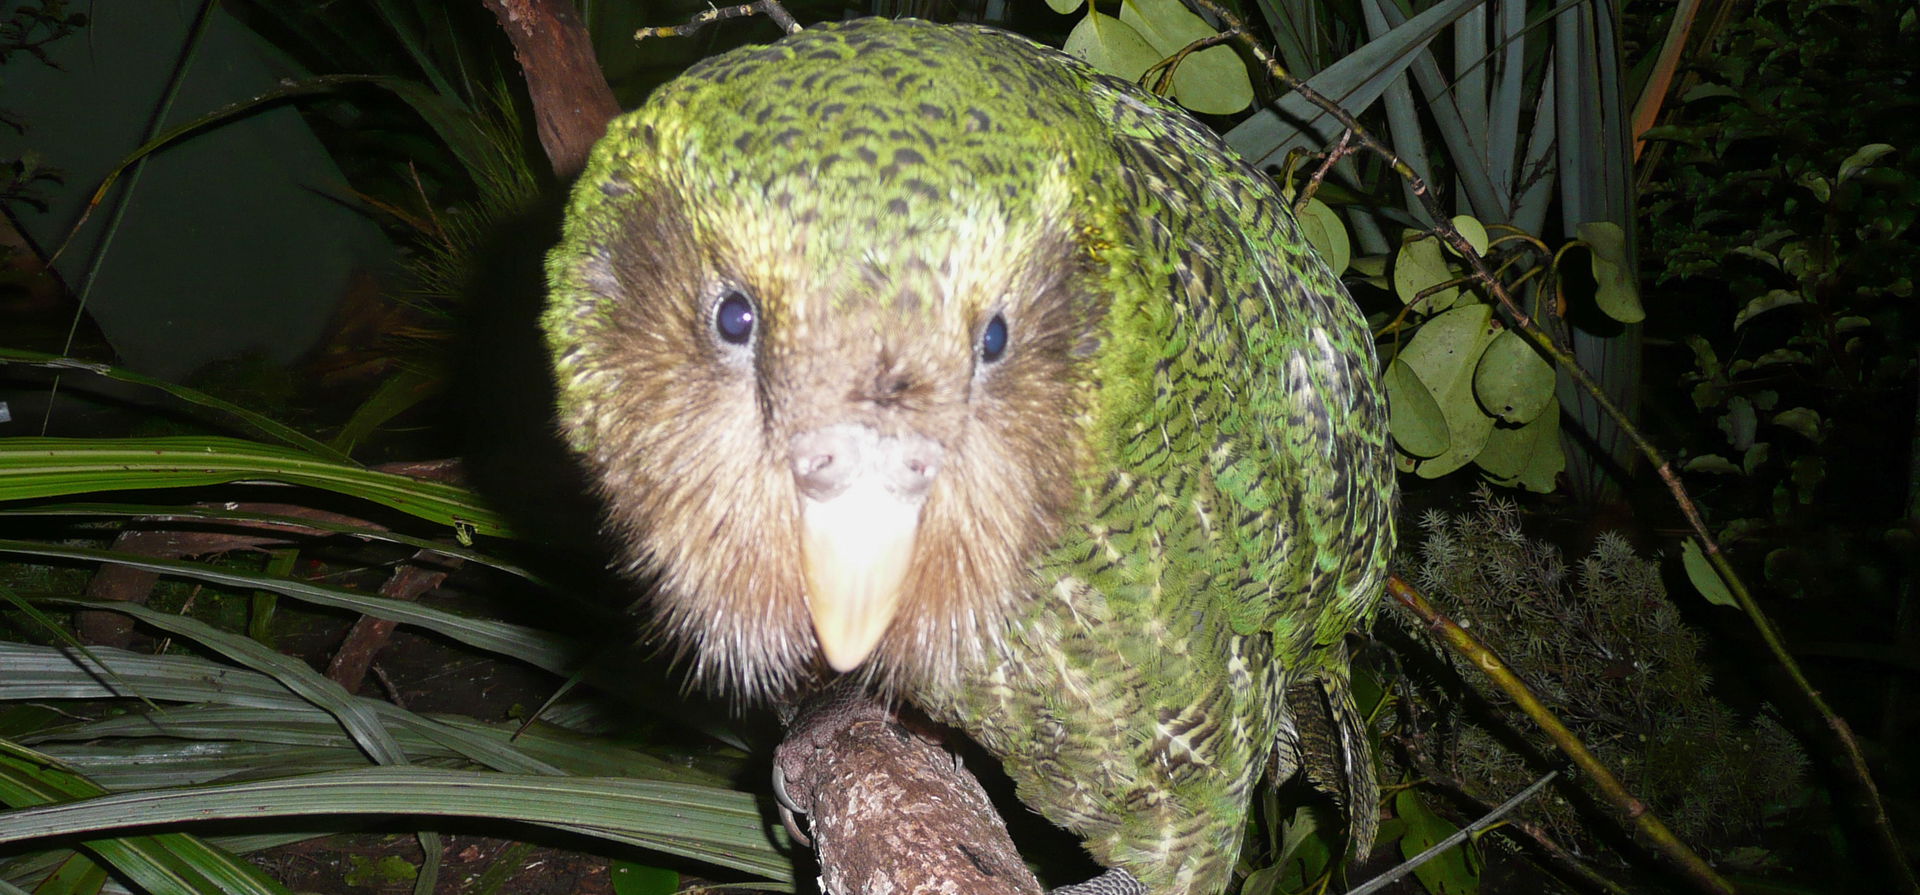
x=733 y=318
x=993 y=339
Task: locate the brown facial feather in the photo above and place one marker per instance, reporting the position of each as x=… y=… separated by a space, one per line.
x=689 y=434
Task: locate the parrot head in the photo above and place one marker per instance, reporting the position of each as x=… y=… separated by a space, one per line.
x=825 y=327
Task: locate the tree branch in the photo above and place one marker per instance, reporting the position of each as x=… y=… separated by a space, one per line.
x=571 y=100
x=891 y=811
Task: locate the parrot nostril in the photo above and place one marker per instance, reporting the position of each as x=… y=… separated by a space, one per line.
x=807 y=466
x=918 y=463
x=825 y=461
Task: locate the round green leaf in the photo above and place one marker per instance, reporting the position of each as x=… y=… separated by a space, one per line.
x=1471 y=228
x=1804 y=420
x=1817 y=185
x=1758 y=254
x=1713 y=463
x=1778 y=298
x=1528 y=456
x=1512 y=382
x=1421 y=265
x=1616 y=294
x=1414 y=417
x=1739 y=423
x=1709 y=91
x=1444 y=354
x=1064 y=6
x=1776 y=356
x=1110 y=45
x=1327 y=234
x=1214 y=80
x=1448 y=873
x=1862 y=160
x=1372 y=270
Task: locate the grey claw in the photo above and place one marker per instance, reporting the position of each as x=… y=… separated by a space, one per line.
x=788 y=810
x=780 y=791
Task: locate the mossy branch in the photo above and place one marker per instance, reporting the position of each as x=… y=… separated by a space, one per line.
x=1874 y=808
x=1634 y=811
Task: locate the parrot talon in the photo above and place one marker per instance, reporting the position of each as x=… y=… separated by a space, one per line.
x=788 y=810
x=780 y=791
x=792 y=823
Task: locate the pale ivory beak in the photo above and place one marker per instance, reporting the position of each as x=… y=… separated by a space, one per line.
x=860 y=503
x=856 y=548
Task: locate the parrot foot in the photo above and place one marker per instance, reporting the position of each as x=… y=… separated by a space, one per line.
x=1112 y=882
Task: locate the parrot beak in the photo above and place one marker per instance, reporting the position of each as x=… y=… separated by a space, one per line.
x=861 y=496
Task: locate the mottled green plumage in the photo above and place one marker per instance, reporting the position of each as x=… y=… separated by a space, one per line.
x=1157 y=518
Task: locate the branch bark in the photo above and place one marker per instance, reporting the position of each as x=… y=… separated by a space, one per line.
x=571 y=100
x=889 y=810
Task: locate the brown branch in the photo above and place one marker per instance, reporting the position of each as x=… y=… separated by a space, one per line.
x=769 y=8
x=1633 y=812
x=889 y=810
x=1161 y=73
x=369 y=635
x=1874 y=808
x=1340 y=150
x=571 y=100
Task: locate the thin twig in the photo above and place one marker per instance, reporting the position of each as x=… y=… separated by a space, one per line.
x=769 y=8
x=1162 y=72
x=1340 y=150
x=1631 y=808
x=1874 y=807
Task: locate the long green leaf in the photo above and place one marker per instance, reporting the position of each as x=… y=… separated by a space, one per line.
x=354 y=716
x=538 y=648
x=1353 y=82
x=41 y=673
x=1403 y=122
x=365 y=532
x=182 y=741
x=457 y=126
x=57 y=467
x=1462 y=135
x=1508 y=101
x=711 y=824
x=163 y=864
x=258 y=421
x=406 y=388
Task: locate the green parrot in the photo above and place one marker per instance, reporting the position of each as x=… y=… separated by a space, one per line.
x=932 y=354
